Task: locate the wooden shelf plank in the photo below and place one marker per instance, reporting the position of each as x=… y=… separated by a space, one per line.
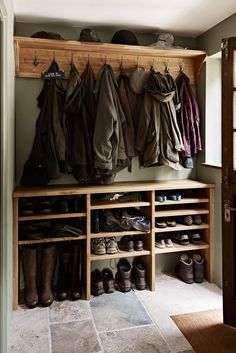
x=181 y=248
x=187 y=200
x=63 y=190
x=116 y=234
x=117 y=204
x=50 y=240
x=181 y=212
x=52 y=216
x=180 y=227
x=119 y=254
x=27 y=48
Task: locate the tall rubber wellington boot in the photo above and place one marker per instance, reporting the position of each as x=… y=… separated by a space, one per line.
x=47 y=271
x=75 y=284
x=64 y=273
x=30 y=276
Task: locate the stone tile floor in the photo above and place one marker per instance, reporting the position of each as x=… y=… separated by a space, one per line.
x=135 y=322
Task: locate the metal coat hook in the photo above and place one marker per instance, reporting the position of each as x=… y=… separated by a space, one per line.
x=105 y=60
x=88 y=61
x=166 y=64
x=72 y=59
x=35 y=61
x=137 y=60
x=153 y=64
x=121 y=62
x=181 y=69
x=53 y=56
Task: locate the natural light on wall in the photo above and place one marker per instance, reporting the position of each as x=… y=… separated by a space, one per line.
x=213 y=111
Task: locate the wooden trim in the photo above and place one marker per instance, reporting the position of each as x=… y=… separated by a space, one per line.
x=98 y=54
x=63 y=190
x=181 y=212
x=120 y=254
x=52 y=216
x=15 y=254
x=116 y=204
x=88 y=248
x=182 y=201
x=181 y=248
x=116 y=234
x=180 y=227
x=50 y=240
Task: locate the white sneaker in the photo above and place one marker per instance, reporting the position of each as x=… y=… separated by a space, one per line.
x=168 y=243
x=160 y=244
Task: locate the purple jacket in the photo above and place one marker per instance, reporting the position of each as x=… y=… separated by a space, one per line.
x=188 y=117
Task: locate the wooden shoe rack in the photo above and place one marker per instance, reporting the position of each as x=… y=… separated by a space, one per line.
x=197 y=199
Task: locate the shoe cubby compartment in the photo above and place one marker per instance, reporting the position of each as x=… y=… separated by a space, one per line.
x=197 y=198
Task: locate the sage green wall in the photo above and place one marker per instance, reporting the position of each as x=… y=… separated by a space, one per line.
x=7 y=168
x=211 y=42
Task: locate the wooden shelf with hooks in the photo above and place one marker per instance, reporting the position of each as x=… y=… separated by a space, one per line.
x=33 y=55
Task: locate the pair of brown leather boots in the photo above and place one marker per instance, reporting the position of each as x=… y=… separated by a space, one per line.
x=40 y=274
x=30 y=268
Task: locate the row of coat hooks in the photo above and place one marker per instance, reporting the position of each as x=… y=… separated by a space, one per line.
x=166 y=63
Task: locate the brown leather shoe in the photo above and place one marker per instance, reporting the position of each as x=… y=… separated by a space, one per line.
x=75 y=284
x=108 y=280
x=139 y=275
x=97 y=287
x=198 y=267
x=184 y=269
x=123 y=276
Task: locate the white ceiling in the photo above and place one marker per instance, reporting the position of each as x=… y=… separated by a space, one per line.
x=181 y=17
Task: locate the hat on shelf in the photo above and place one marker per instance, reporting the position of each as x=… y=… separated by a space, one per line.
x=166 y=41
x=89 y=35
x=47 y=35
x=124 y=37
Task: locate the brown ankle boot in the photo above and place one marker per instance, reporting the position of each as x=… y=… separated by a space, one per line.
x=75 y=285
x=64 y=273
x=30 y=275
x=47 y=269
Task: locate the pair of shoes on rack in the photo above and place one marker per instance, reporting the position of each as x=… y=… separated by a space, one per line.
x=164 y=224
x=125 y=276
x=31 y=206
x=190 y=269
x=185 y=239
x=131 y=243
x=162 y=243
x=101 y=246
x=102 y=281
x=162 y=197
x=189 y=220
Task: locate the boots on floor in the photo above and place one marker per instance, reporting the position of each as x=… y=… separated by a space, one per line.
x=30 y=276
x=64 y=273
x=47 y=271
x=75 y=285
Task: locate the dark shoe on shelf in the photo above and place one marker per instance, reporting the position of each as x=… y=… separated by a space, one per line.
x=30 y=276
x=197 y=219
x=95 y=222
x=195 y=238
x=123 y=276
x=160 y=197
x=61 y=205
x=171 y=223
x=127 y=243
x=182 y=239
x=188 y=220
x=161 y=224
x=44 y=206
x=27 y=207
x=184 y=269
x=108 y=281
x=138 y=275
x=47 y=270
x=175 y=196
x=198 y=267
x=138 y=244
x=137 y=220
x=97 y=287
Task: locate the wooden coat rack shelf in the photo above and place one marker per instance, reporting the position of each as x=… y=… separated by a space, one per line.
x=33 y=55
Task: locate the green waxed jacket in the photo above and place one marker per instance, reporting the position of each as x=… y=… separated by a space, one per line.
x=108 y=140
x=158 y=137
x=79 y=106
